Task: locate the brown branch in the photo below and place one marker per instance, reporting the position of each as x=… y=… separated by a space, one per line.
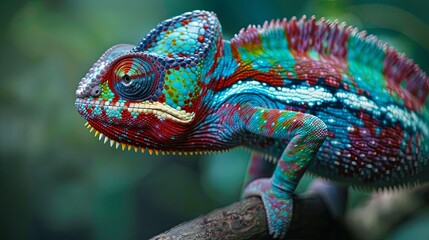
x=312 y=219
x=246 y=220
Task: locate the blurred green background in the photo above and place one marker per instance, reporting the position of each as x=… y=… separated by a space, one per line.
x=58 y=182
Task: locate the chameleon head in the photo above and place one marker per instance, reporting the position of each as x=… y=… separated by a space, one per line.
x=149 y=95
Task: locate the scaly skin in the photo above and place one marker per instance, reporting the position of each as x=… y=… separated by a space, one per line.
x=313 y=95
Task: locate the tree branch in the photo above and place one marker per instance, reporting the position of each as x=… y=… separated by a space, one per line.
x=312 y=218
x=246 y=220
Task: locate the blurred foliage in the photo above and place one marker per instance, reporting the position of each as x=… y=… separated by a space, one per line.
x=59 y=183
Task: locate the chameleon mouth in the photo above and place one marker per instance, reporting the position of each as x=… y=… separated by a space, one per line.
x=151 y=151
x=161 y=110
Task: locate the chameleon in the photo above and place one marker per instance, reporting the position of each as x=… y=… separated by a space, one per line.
x=310 y=95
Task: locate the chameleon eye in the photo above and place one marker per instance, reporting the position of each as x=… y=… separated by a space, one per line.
x=134 y=78
x=126 y=79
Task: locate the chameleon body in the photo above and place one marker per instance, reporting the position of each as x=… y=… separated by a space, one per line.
x=311 y=95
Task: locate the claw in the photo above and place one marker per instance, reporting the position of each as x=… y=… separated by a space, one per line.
x=278 y=210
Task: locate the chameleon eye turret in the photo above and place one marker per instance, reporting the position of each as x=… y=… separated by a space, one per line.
x=137 y=78
x=313 y=95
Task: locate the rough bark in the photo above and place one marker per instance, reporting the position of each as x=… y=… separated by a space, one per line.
x=246 y=220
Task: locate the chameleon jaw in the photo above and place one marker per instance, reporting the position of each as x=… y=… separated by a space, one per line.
x=151 y=151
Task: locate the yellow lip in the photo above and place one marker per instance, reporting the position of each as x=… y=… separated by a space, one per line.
x=162 y=111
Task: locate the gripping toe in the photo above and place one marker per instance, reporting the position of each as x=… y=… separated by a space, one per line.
x=278 y=210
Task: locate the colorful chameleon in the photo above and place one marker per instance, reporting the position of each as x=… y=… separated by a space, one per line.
x=313 y=95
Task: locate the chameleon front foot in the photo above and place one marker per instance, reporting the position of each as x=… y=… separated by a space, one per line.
x=278 y=207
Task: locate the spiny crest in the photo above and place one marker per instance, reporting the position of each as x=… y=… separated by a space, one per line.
x=408 y=185
x=400 y=187
x=323 y=36
x=341 y=44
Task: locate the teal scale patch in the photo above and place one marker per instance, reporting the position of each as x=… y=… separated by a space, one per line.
x=181 y=86
x=179 y=39
x=134 y=114
x=97 y=110
x=113 y=112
